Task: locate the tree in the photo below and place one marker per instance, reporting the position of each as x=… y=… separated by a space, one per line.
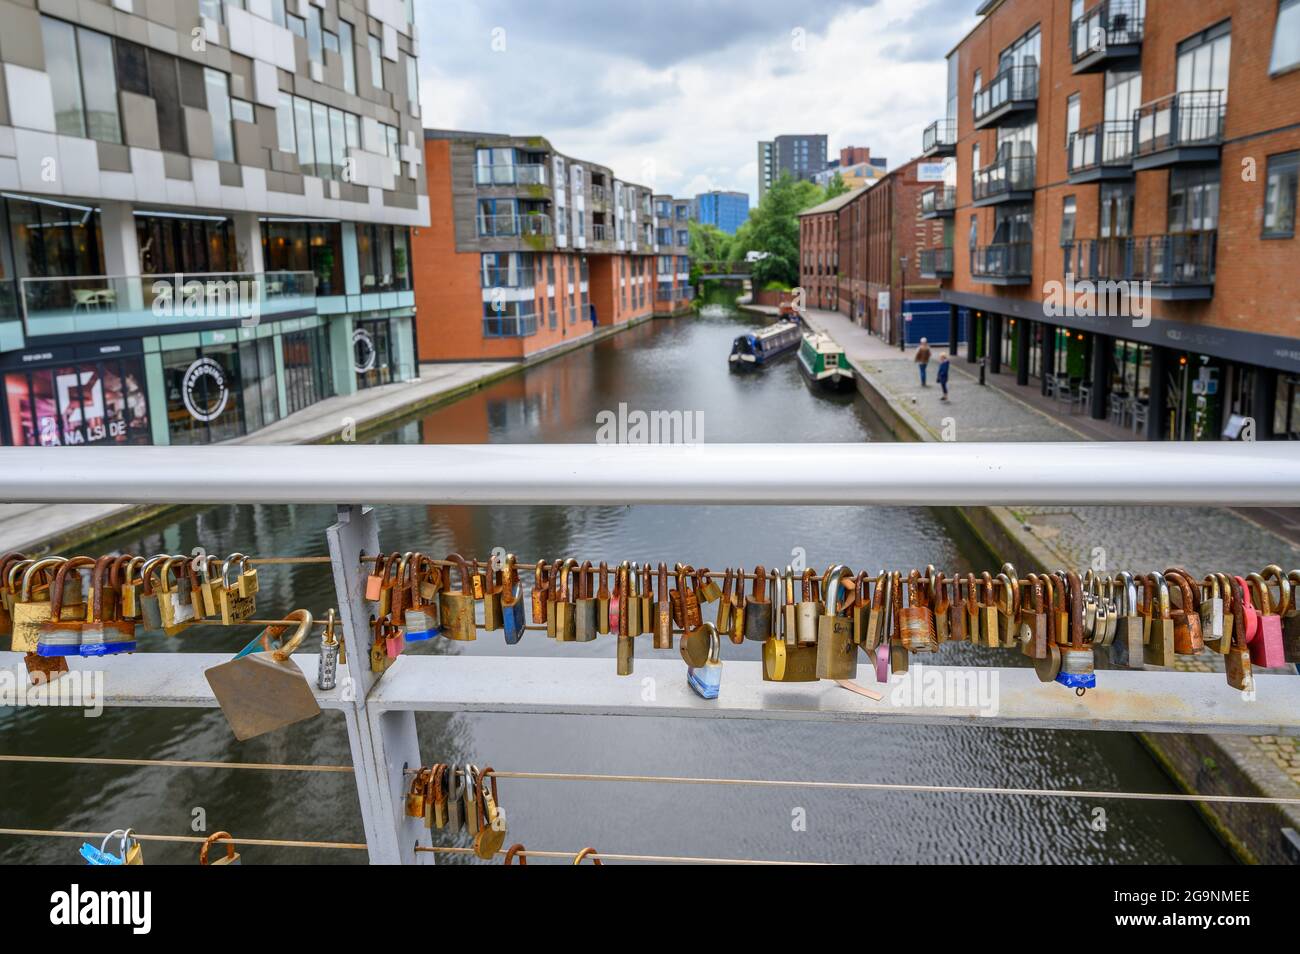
x=708 y=243
x=836 y=186
x=773 y=227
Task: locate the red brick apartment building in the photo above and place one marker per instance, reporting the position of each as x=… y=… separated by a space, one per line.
x=530 y=249
x=1121 y=143
x=819 y=252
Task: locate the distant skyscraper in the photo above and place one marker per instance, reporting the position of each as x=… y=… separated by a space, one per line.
x=726 y=210
x=800 y=157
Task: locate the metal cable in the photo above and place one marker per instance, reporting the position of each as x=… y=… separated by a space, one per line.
x=603 y=856
x=186 y=839
x=176 y=763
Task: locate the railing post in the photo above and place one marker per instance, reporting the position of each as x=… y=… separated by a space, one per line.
x=383 y=744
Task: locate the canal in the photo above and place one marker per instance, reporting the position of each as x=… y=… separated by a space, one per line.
x=676 y=365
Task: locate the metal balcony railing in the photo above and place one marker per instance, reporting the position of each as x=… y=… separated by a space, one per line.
x=1014 y=85
x=600 y=233
x=1111 y=23
x=940 y=134
x=1003 y=261
x=510 y=174
x=1004 y=177
x=938 y=200
x=599 y=195
x=503 y=276
x=84 y=303
x=1174 y=260
x=1179 y=119
x=936 y=262
x=530 y=223
x=1104 y=145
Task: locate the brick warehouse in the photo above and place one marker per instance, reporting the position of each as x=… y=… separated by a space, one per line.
x=1098 y=141
x=530 y=249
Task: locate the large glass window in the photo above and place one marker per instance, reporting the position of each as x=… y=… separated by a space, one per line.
x=412 y=80
x=100 y=402
x=1280 y=195
x=203 y=394
x=1193 y=200
x=300 y=246
x=83 y=81
x=302 y=126
x=307 y=368
x=190 y=245
x=372 y=353
x=315 y=40
x=284 y=124
x=259 y=393
x=1116 y=212
x=376 y=61
x=347 y=50
x=1203 y=60
x=1286 y=37
x=164 y=82
x=223 y=137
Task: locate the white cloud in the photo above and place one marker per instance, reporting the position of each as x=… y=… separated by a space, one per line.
x=868 y=76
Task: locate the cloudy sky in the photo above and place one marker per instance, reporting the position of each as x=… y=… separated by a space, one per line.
x=676 y=93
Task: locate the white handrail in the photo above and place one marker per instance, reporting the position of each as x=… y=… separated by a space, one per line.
x=930 y=474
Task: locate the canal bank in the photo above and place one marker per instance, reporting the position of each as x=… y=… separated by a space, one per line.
x=1200 y=538
x=38 y=528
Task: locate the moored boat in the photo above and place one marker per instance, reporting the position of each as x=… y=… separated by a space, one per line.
x=824 y=363
x=755 y=348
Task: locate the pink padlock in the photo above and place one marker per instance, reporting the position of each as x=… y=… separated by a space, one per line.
x=1252 y=616
x=882 y=661
x=1267 y=649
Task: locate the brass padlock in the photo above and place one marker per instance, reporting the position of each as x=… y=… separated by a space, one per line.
x=837 y=653
x=231 y=857
x=415 y=795
x=692 y=616
x=1291 y=620
x=1032 y=631
x=456 y=606
x=784 y=660
x=647 y=598
x=1188 y=639
x=631 y=603
x=1159 y=647
x=758 y=609
x=940 y=603
x=707 y=586
x=563 y=605
x=60 y=636
x=917 y=618
x=1126 y=649
x=1008 y=602
x=233 y=606
x=988 y=613
x=722 y=621
x=584 y=605
x=540 y=596
x=808 y=610
x=602 y=601
x=492 y=821
x=1236 y=661
x=491 y=599
x=262 y=688
x=1212 y=613
x=663 y=637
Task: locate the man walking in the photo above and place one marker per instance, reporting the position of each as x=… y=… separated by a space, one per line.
x=923 y=358
x=943 y=375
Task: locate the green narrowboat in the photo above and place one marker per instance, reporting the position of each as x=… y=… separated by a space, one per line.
x=824 y=363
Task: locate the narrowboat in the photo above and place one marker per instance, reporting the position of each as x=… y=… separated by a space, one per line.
x=755 y=348
x=824 y=363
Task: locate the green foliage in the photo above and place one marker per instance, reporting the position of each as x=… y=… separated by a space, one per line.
x=776 y=286
x=835 y=187
x=708 y=243
x=773 y=227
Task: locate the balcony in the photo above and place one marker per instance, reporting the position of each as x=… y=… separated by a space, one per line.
x=936 y=262
x=939 y=139
x=1002 y=264
x=1013 y=93
x=1107 y=36
x=1007 y=180
x=505 y=174
x=1179 y=128
x=506 y=277
x=1179 y=267
x=92 y=303
x=939 y=202
x=506 y=226
x=599 y=195
x=600 y=233
x=1102 y=152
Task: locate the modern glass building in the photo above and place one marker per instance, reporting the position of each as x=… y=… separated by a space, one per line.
x=205 y=214
x=725 y=210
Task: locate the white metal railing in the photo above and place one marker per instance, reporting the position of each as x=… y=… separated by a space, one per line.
x=379 y=708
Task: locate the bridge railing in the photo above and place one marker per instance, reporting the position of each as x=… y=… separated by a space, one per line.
x=379 y=708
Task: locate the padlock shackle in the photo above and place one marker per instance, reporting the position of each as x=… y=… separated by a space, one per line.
x=1284 y=594
x=213 y=839
x=283 y=651
x=60 y=578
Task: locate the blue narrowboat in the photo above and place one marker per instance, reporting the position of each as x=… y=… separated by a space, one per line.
x=755 y=348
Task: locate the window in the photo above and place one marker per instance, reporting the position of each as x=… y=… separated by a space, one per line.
x=306 y=148
x=1193 y=200
x=974 y=232
x=223 y=138
x=296 y=25
x=83 y=81
x=376 y=61
x=132 y=67
x=1116 y=213
x=167 y=103
x=349 y=54
x=390 y=135
x=315 y=38
x=284 y=123
x=1068 y=209
x=242 y=110
x=1280 y=195
x=1203 y=60
x=277 y=13
x=203 y=394
x=211 y=9
x=412 y=81
x=1071 y=117
x=101 y=402
x=331 y=40
x=1286 y=37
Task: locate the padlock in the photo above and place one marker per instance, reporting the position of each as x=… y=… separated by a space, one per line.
x=129 y=851
x=395 y=630
x=837 y=653
x=647 y=598
x=957 y=615
x=375 y=579
x=471 y=800
x=1266 y=649
x=722 y=621
x=59 y=636
x=707 y=586
x=6 y=592
x=1007 y=586
x=758 y=609
x=234 y=606
x=491 y=587
x=416 y=793
x=379 y=658
x=988 y=613
x=1099 y=601
x=262 y=688
x=630 y=605
x=456 y=607
x=706 y=680
x=1188 y=640
x=231 y=856
x=1291 y=620
x=206 y=600
x=562 y=608
x=602 y=600
x=898 y=654
x=584 y=605
x=876 y=629
x=429 y=577
x=626 y=641
x=1159 y=646
x=435 y=802
x=808 y=610
x=420 y=616
x=105 y=632
x=738 y=601
x=694 y=645
x=389 y=583
x=1032 y=631
x=455 y=799
x=552 y=597
x=940 y=603
x=1236 y=661
x=774 y=647
x=492 y=821
x=150 y=599
x=328 y=665
x=1212 y=613
x=618 y=598
x=540 y=596
x=784 y=660
x=126 y=580
x=516 y=851
x=1077 y=663
x=247 y=582
x=512 y=602
x=691 y=613
x=1126 y=649
x=663 y=636
x=861 y=606
x=182 y=595
x=1225 y=590
x=917 y=618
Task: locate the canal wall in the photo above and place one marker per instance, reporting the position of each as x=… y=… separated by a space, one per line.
x=1197 y=764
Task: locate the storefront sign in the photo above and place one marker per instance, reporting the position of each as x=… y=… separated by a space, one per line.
x=363 y=351
x=204 y=391
x=930 y=171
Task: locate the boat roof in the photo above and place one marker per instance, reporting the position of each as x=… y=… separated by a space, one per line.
x=822 y=342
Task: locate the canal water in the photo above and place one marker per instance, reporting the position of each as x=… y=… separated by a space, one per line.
x=672 y=365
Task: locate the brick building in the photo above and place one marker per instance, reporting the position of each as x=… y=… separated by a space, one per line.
x=530 y=249
x=1096 y=143
x=819 y=252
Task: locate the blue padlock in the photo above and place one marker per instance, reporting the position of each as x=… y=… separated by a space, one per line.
x=420 y=619
x=706 y=680
x=512 y=603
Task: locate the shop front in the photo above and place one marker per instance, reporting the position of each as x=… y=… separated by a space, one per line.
x=76 y=395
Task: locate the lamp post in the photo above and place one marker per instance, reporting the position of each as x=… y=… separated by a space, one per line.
x=902 y=307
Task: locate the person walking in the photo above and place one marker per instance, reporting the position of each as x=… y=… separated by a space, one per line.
x=942 y=376
x=923 y=358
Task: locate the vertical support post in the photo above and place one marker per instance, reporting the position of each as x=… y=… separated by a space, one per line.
x=1103 y=361
x=954 y=330
x=1156 y=406
x=1023 y=343
x=383 y=743
x=994 y=346
x=972 y=333
x=1049 y=355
